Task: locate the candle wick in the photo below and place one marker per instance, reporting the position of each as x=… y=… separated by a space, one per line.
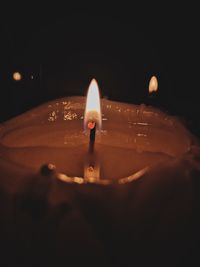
x=91 y=169
x=92 y=139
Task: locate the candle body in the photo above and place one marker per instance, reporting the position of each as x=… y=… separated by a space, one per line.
x=132 y=138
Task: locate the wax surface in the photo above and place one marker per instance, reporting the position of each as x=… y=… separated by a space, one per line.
x=132 y=138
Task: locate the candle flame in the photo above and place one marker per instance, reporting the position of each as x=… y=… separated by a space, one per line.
x=17 y=76
x=153 y=84
x=93 y=108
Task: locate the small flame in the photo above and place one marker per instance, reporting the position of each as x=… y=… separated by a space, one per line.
x=153 y=84
x=93 y=108
x=17 y=76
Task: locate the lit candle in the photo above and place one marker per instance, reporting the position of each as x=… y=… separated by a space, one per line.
x=133 y=138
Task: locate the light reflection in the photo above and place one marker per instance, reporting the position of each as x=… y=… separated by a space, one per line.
x=92 y=180
x=133 y=177
x=79 y=180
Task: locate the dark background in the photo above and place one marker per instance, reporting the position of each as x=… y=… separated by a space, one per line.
x=58 y=50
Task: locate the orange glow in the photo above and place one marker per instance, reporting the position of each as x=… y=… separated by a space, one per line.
x=91 y=125
x=153 y=84
x=93 y=109
x=17 y=76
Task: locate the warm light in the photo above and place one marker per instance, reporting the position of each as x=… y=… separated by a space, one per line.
x=153 y=84
x=91 y=125
x=93 y=108
x=17 y=76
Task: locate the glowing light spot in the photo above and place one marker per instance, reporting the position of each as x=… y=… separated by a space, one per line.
x=91 y=125
x=17 y=76
x=153 y=84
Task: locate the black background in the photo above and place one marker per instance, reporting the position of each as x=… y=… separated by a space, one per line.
x=122 y=46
